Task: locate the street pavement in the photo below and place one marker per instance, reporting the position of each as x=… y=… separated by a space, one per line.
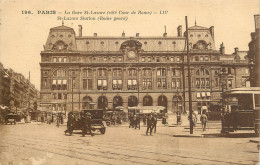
x=39 y=144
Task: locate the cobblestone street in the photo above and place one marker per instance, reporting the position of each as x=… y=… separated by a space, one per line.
x=36 y=143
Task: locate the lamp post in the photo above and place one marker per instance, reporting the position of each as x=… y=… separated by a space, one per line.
x=72 y=86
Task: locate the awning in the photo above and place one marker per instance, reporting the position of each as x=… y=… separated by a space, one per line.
x=64 y=82
x=198 y=95
x=119 y=82
x=99 y=82
x=59 y=82
x=134 y=82
x=208 y=93
x=114 y=81
x=104 y=82
x=203 y=94
x=54 y=82
x=129 y=82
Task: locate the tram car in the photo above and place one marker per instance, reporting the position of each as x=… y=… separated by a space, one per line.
x=241 y=110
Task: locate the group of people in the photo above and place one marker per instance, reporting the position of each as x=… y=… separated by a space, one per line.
x=149 y=120
x=79 y=121
x=203 y=119
x=134 y=121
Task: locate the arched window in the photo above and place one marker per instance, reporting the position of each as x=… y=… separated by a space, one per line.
x=132 y=101
x=59 y=73
x=87 y=103
x=117 y=101
x=102 y=102
x=162 y=101
x=147 y=100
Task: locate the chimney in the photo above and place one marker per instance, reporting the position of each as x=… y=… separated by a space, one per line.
x=137 y=35
x=222 y=48
x=236 y=50
x=80 y=30
x=179 y=29
x=123 y=34
x=95 y=34
x=211 y=29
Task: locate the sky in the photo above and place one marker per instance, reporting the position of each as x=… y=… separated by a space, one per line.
x=22 y=36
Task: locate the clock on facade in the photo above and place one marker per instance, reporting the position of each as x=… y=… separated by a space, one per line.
x=131 y=55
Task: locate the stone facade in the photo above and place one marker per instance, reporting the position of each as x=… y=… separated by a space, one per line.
x=106 y=72
x=18 y=93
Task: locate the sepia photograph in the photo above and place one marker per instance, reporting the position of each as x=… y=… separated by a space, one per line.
x=117 y=82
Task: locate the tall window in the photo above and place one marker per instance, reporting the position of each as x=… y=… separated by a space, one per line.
x=161 y=83
x=59 y=81
x=202 y=79
x=176 y=83
x=161 y=78
x=147 y=83
x=87 y=84
x=117 y=79
x=87 y=79
x=102 y=79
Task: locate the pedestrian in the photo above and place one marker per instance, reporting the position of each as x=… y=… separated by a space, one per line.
x=69 y=123
x=87 y=125
x=204 y=120
x=42 y=118
x=154 y=120
x=164 y=119
x=137 y=122
x=149 y=124
x=131 y=120
x=144 y=119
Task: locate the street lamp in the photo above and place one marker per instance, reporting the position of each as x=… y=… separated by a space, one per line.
x=73 y=85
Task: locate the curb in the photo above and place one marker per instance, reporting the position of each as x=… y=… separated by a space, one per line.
x=254 y=141
x=197 y=136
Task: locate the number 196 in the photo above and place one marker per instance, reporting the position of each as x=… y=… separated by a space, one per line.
x=26 y=12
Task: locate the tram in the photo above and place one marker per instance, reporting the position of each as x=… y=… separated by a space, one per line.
x=241 y=109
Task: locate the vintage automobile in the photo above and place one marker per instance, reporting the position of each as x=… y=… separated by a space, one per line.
x=241 y=110
x=97 y=122
x=10 y=118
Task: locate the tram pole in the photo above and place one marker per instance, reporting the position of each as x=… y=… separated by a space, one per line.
x=189 y=77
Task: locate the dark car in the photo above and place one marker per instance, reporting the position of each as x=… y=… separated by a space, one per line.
x=11 y=118
x=97 y=122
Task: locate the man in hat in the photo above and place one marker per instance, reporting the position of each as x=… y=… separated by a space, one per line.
x=69 y=123
x=154 y=120
x=149 y=124
x=87 y=124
